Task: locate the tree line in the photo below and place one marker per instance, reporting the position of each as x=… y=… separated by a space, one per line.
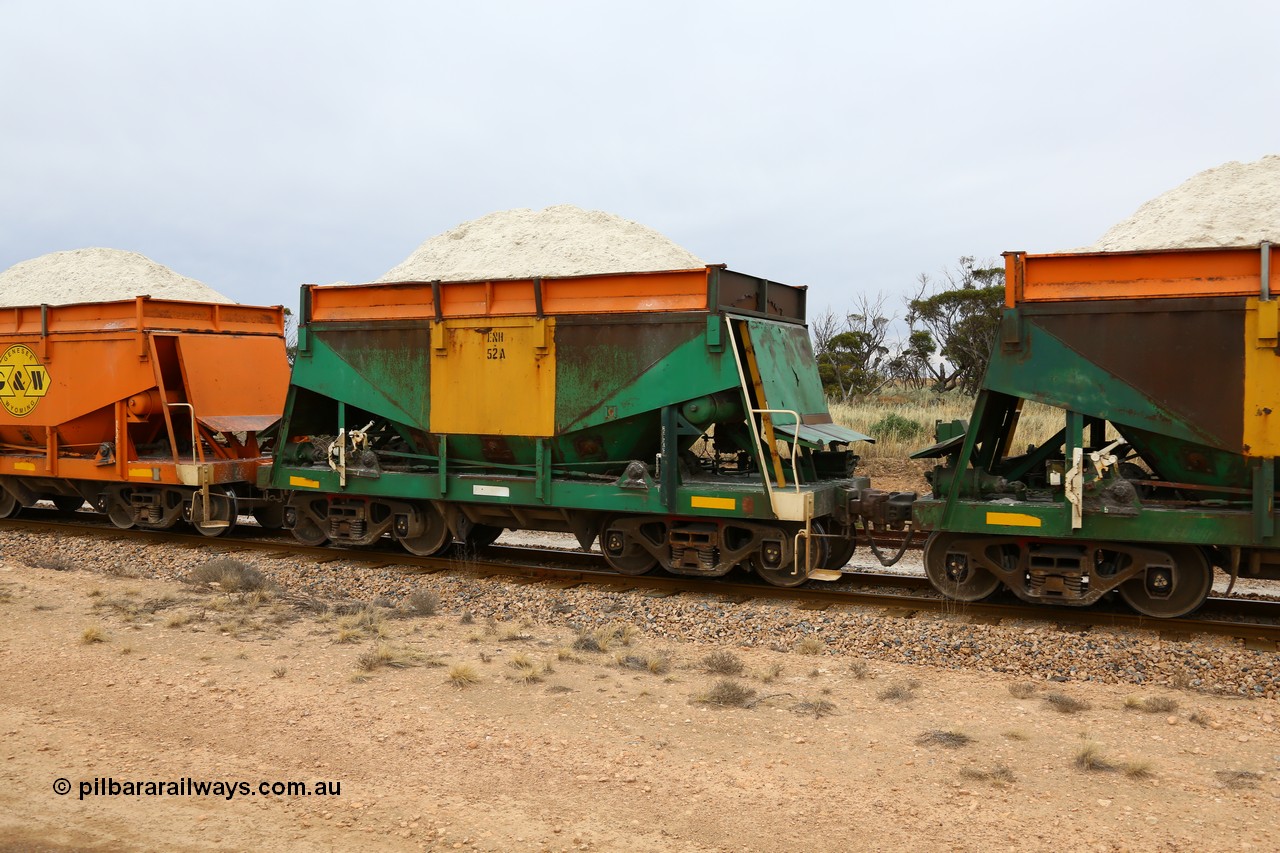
x=951 y=325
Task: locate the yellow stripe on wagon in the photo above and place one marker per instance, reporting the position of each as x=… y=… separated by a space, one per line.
x=24 y=466
x=1013 y=519
x=149 y=473
x=707 y=502
x=304 y=482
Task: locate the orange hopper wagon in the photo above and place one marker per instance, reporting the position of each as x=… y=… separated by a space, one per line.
x=154 y=411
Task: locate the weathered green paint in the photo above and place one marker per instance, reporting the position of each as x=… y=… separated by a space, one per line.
x=788 y=369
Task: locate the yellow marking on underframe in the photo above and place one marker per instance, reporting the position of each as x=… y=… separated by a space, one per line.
x=141 y=472
x=1013 y=519
x=705 y=502
x=304 y=482
x=24 y=466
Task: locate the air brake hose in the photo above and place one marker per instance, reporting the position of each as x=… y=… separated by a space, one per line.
x=869 y=528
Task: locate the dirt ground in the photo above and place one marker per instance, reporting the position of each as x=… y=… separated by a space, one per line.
x=556 y=748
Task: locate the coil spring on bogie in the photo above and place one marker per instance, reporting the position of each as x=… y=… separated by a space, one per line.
x=354 y=528
x=1072 y=584
x=708 y=557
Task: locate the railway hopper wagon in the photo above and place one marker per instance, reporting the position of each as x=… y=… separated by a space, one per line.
x=1165 y=373
x=151 y=410
x=676 y=417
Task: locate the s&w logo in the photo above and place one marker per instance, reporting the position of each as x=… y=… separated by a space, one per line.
x=23 y=380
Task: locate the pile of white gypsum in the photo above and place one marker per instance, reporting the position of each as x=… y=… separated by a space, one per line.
x=557 y=241
x=1235 y=204
x=97 y=275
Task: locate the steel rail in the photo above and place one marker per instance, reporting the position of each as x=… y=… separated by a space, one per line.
x=1216 y=616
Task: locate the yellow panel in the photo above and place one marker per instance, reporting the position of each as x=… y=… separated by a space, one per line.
x=1261 y=381
x=1013 y=519
x=494 y=376
x=141 y=472
x=704 y=502
x=303 y=482
x=24 y=466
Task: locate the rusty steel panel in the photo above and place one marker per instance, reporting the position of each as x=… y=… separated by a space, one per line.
x=1186 y=356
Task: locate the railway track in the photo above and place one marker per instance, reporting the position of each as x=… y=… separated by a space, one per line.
x=1255 y=622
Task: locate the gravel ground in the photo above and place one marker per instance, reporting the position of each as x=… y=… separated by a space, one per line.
x=1032 y=650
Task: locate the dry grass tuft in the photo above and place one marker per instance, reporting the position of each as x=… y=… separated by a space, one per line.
x=1022 y=690
x=723 y=662
x=859 y=669
x=1238 y=778
x=604 y=638
x=997 y=774
x=811 y=645
x=1089 y=757
x=1151 y=704
x=229 y=575
x=463 y=675
x=819 y=708
x=1017 y=734
x=93 y=634
x=386 y=655
x=940 y=737
x=279 y=672
x=1200 y=718
x=526 y=669
x=514 y=634
x=1064 y=704
x=728 y=693
x=658 y=664
x=54 y=562
x=1138 y=769
x=915 y=413
x=771 y=674
x=421 y=602
x=903 y=691
x=178 y=620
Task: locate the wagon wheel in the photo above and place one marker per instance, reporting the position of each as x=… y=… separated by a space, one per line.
x=796 y=571
x=9 y=505
x=119 y=511
x=308 y=533
x=623 y=554
x=1167 y=593
x=434 y=538
x=270 y=515
x=839 y=553
x=67 y=503
x=952 y=571
x=481 y=536
x=221 y=515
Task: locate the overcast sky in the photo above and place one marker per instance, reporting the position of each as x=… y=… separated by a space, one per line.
x=847 y=146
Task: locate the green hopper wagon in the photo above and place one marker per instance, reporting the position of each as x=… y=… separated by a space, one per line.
x=1165 y=369
x=677 y=417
